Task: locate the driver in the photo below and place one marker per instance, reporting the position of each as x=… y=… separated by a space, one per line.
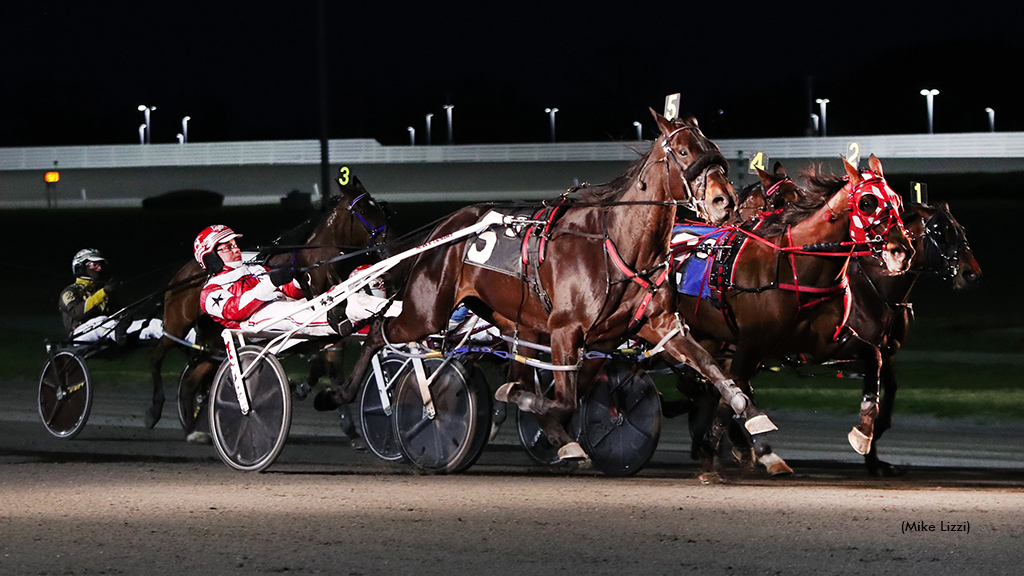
x=86 y=304
x=250 y=296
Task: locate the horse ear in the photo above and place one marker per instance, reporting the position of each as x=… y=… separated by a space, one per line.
x=876 y=165
x=779 y=170
x=766 y=179
x=852 y=172
x=663 y=123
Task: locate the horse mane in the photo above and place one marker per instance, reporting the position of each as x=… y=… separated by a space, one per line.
x=743 y=194
x=614 y=190
x=820 y=187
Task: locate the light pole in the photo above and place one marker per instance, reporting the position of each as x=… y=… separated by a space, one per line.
x=930 y=98
x=180 y=137
x=991 y=119
x=142 y=133
x=814 y=120
x=551 y=114
x=429 y=116
x=146 y=110
x=823 y=104
x=412 y=135
x=184 y=129
x=639 y=130
x=448 y=113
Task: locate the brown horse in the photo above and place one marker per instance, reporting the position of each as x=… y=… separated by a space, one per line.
x=606 y=260
x=787 y=290
x=355 y=220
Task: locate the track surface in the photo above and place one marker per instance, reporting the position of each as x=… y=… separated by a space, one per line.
x=121 y=499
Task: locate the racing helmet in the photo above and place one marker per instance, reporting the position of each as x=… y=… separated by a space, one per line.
x=375 y=287
x=85 y=255
x=206 y=242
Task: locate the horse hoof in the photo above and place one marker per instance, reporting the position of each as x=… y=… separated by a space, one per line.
x=745 y=458
x=325 y=401
x=300 y=390
x=711 y=478
x=495 y=427
x=775 y=465
x=501 y=394
x=861 y=442
x=885 y=470
x=152 y=417
x=571 y=451
x=357 y=444
x=198 y=437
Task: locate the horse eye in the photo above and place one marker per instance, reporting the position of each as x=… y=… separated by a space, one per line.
x=868 y=203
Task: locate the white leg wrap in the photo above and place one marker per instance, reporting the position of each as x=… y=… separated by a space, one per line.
x=860 y=442
x=775 y=465
x=760 y=424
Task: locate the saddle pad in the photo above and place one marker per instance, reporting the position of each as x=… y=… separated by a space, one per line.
x=692 y=251
x=499 y=248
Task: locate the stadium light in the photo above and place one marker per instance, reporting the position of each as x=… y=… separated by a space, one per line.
x=448 y=112
x=991 y=119
x=184 y=129
x=930 y=99
x=639 y=130
x=142 y=133
x=429 y=116
x=814 y=120
x=147 y=110
x=412 y=135
x=823 y=105
x=551 y=114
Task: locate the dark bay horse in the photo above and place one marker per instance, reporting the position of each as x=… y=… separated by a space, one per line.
x=881 y=313
x=787 y=292
x=352 y=220
x=602 y=279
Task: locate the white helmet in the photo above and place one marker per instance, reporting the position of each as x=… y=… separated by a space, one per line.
x=207 y=240
x=85 y=255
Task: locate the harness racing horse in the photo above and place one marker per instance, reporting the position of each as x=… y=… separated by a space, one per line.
x=881 y=313
x=779 y=286
x=355 y=220
x=618 y=233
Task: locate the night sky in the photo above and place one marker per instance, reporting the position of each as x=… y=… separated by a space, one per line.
x=75 y=72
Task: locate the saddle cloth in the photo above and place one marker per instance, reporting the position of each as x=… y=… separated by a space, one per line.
x=692 y=256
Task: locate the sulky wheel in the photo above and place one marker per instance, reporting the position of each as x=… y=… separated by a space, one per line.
x=531 y=435
x=480 y=390
x=621 y=419
x=445 y=442
x=250 y=442
x=375 y=409
x=65 y=394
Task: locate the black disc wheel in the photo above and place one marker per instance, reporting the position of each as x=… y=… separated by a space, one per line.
x=250 y=442
x=376 y=406
x=481 y=390
x=440 y=442
x=65 y=394
x=621 y=419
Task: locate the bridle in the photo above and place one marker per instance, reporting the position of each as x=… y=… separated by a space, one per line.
x=945 y=254
x=886 y=211
x=709 y=155
x=371 y=232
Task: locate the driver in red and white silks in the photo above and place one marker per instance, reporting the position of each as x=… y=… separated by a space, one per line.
x=249 y=296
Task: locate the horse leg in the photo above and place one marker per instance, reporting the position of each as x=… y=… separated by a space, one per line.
x=887 y=401
x=156 y=364
x=861 y=435
x=199 y=378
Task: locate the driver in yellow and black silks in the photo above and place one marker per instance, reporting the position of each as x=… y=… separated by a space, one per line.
x=86 y=304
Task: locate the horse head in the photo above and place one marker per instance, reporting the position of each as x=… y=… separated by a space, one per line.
x=365 y=213
x=875 y=215
x=941 y=245
x=700 y=165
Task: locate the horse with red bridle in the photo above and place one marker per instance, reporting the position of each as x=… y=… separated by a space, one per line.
x=602 y=280
x=779 y=287
x=350 y=221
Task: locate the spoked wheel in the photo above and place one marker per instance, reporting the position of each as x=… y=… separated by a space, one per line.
x=251 y=442
x=375 y=408
x=65 y=394
x=531 y=435
x=621 y=419
x=443 y=442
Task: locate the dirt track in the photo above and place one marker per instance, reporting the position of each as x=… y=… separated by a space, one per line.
x=189 y=517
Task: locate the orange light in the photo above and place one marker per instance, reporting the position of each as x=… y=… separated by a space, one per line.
x=51 y=177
